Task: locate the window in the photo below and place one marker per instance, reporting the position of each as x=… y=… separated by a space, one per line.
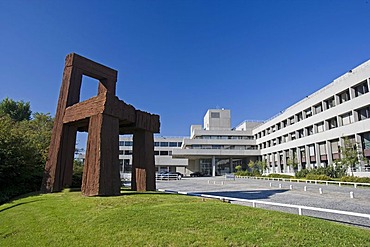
x=179 y=144
x=309 y=130
x=363 y=113
x=173 y=144
x=284 y=123
x=361 y=88
x=128 y=143
x=291 y=120
x=334 y=147
x=292 y=136
x=163 y=144
x=332 y=123
x=322 y=148
x=156 y=144
x=366 y=140
x=128 y=152
x=329 y=103
x=343 y=96
x=300 y=133
x=299 y=116
x=120 y=152
x=121 y=143
x=312 y=150
x=156 y=152
x=163 y=152
x=318 y=108
x=346 y=118
x=320 y=127
x=308 y=112
x=215 y=115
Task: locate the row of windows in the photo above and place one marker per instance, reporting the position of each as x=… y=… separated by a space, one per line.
x=161 y=153
x=156 y=144
x=226 y=137
x=346 y=95
x=341 y=120
x=233 y=147
x=321 y=151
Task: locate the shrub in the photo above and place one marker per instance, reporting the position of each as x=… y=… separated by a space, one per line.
x=276 y=175
x=302 y=173
x=355 y=179
x=317 y=177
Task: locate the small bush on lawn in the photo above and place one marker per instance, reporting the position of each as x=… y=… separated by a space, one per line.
x=302 y=173
x=317 y=177
x=355 y=179
x=276 y=175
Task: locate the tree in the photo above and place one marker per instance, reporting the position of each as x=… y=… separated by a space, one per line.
x=23 y=153
x=293 y=162
x=17 y=110
x=351 y=154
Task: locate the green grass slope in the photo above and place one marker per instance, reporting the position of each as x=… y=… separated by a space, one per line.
x=154 y=219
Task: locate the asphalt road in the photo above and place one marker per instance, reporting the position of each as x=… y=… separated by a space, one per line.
x=332 y=197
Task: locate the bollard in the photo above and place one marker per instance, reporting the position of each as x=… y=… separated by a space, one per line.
x=355 y=185
x=305 y=188
x=208 y=181
x=253 y=204
x=299 y=211
x=222 y=182
x=214 y=182
x=270 y=184
x=320 y=191
x=351 y=195
x=279 y=186
x=327 y=183
x=340 y=184
x=291 y=187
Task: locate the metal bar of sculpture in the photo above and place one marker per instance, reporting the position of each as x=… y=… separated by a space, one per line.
x=104 y=117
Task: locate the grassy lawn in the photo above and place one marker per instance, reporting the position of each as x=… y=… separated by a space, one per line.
x=155 y=219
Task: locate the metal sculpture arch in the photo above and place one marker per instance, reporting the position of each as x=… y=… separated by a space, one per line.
x=104 y=117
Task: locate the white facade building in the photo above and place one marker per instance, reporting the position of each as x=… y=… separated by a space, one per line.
x=309 y=132
x=163 y=148
x=313 y=130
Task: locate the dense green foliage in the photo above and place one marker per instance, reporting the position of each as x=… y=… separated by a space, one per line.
x=277 y=175
x=336 y=171
x=23 y=152
x=154 y=219
x=355 y=179
x=77 y=174
x=16 y=110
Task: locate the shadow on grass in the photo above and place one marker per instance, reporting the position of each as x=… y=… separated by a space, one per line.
x=16 y=205
x=246 y=194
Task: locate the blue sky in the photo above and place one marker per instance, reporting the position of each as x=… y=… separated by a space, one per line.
x=180 y=58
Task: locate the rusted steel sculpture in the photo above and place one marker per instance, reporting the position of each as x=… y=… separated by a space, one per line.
x=104 y=117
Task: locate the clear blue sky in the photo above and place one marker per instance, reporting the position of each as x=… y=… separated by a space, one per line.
x=180 y=58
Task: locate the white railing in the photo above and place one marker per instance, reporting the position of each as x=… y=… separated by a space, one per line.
x=339 y=183
x=167 y=177
x=254 y=203
x=299 y=207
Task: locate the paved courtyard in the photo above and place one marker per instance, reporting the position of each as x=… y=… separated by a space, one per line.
x=332 y=197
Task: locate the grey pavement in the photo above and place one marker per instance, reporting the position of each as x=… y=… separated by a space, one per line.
x=332 y=197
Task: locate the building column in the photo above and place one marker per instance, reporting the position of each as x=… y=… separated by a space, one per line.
x=308 y=157
x=278 y=163
x=299 y=158
x=329 y=153
x=230 y=165
x=284 y=162
x=317 y=154
x=213 y=166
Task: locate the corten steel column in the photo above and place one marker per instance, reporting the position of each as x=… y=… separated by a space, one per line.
x=59 y=165
x=101 y=170
x=143 y=166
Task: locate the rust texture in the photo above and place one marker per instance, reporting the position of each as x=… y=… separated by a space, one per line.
x=104 y=117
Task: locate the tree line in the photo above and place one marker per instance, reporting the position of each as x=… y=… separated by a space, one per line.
x=24 y=143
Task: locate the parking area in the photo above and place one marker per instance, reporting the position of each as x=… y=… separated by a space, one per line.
x=310 y=195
